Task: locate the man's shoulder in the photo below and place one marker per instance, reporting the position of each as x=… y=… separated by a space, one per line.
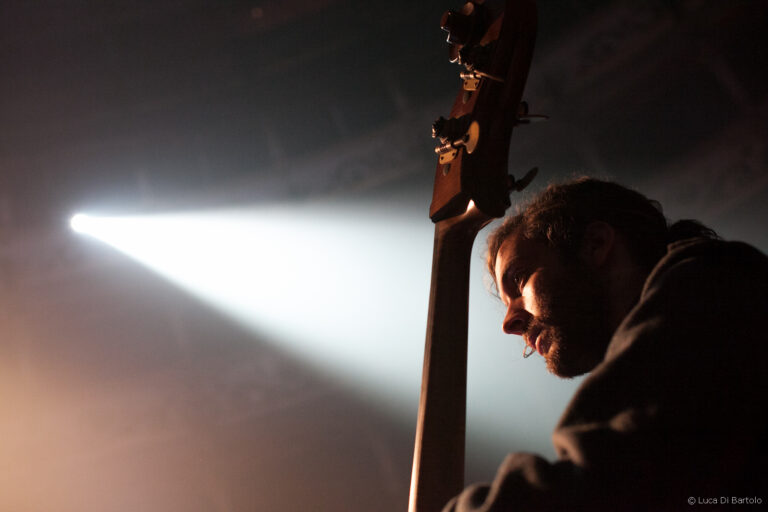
x=708 y=258
x=701 y=289
x=711 y=246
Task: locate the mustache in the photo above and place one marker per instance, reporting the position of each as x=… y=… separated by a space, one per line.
x=534 y=328
x=539 y=324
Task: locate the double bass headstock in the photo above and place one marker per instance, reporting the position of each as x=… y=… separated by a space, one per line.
x=493 y=40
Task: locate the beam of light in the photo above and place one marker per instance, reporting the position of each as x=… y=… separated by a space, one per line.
x=345 y=288
x=79 y=222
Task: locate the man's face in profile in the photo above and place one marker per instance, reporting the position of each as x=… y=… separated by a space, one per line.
x=558 y=306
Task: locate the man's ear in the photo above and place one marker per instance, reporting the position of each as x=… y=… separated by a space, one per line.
x=598 y=242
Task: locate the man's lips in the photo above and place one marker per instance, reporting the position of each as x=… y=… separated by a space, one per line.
x=542 y=345
x=535 y=340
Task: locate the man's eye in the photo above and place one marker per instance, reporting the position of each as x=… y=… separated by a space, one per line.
x=516 y=281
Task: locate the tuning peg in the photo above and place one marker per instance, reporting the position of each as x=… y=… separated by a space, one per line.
x=472 y=79
x=464 y=27
x=523 y=117
x=455 y=133
x=450 y=129
x=438 y=127
x=477 y=56
x=454 y=53
x=459 y=25
x=518 y=185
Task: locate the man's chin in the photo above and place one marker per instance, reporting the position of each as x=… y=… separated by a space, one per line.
x=564 y=372
x=567 y=368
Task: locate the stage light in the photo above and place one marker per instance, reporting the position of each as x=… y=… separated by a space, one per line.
x=79 y=222
x=343 y=287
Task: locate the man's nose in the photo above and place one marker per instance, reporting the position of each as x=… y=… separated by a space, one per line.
x=516 y=320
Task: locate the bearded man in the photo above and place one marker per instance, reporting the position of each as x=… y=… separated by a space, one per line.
x=669 y=320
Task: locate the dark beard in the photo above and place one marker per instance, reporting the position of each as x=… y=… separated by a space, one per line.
x=574 y=319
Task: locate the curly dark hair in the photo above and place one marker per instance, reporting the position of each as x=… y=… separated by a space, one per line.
x=560 y=214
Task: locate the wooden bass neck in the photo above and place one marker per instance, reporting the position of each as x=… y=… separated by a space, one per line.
x=438 y=462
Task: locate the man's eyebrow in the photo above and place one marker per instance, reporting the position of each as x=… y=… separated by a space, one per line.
x=511 y=268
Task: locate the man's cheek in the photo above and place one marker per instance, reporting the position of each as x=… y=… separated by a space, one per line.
x=532 y=296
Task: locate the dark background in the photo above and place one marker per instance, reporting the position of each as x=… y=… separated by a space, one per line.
x=112 y=401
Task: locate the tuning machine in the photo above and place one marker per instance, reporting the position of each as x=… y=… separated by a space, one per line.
x=524 y=117
x=519 y=185
x=472 y=78
x=464 y=27
x=453 y=134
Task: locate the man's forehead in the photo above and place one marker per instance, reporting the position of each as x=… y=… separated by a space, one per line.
x=511 y=250
x=517 y=251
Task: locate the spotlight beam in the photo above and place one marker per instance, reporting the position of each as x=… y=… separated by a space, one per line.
x=343 y=287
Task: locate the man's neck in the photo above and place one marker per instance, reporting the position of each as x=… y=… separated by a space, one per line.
x=625 y=281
